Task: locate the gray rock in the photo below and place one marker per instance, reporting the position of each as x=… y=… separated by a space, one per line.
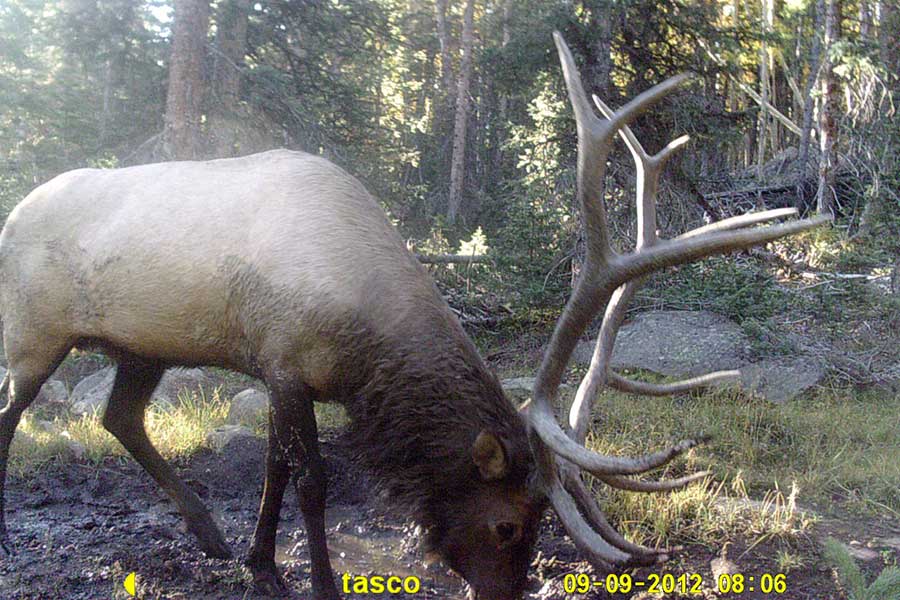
x=91 y=393
x=676 y=343
x=53 y=392
x=780 y=380
x=178 y=381
x=518 y=389
x=860 y=552
x=163 y=404
x=689 y=343
x=23 y=438
x=247 y=407
x=220 y=437
x=722 y=566
x=891 y=542
x=74 y=448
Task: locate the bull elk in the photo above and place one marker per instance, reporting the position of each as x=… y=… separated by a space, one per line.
x=280 y=265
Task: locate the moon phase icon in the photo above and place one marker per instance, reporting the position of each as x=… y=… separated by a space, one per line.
x=129 y=584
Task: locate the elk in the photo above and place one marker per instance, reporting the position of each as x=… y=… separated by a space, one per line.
x=280 y=265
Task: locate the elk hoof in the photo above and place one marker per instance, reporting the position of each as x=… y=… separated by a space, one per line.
x=269 y=583
x=212 y=543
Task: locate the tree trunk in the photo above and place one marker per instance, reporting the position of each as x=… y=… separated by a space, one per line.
x=764 y=58
x=815 y=54
x=889 y=36
x=865 y=21
x=443 y=31
x=443 y=99
x=503 y=108
x=226 y=126
x=600 y=69
x=184 y=103
x=826 y=200
x=231 y=42
x=457 y=168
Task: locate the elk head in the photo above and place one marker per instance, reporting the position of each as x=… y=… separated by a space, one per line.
x=488 y=529
x=608 y=281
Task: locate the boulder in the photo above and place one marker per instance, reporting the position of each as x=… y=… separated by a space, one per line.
x=860 y=552
x=53 y=392
x=248 y=407
x=74 y=448
x=780 y=380
x=222 y=436
x=78 y=365
x=892 y=542
x=690 y=343
x=44 y=426
x=676 y=343
x=91 y=393
x=177 y=381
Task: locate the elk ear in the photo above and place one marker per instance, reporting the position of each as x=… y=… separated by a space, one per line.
x=489 y=455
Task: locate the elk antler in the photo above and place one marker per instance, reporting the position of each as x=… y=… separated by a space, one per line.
x=609 y=280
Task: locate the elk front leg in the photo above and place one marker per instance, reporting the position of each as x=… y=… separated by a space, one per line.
x=124 y=418
x=294 y=428
x=261 y=557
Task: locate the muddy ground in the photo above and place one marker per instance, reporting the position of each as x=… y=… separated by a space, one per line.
x=80 y=529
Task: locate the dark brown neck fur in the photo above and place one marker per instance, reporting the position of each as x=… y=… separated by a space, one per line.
x=428 y=396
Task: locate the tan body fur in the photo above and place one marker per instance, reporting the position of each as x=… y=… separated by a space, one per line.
x=155 y=261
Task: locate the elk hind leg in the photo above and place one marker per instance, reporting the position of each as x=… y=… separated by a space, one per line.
x=124 y=418
x=29 y=366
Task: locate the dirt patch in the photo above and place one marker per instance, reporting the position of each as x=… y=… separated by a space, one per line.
x=79 y=530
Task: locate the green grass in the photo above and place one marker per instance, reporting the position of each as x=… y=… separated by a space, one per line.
x=768 y=462
x=177 y=432
x=831 y=443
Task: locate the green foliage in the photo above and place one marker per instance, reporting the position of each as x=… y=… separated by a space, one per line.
x=740 y=291
x=885 y=587
x=79 y=83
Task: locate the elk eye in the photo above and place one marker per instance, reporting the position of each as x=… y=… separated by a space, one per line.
x=506 y=532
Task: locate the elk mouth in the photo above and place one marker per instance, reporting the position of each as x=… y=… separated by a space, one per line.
x=473 y=594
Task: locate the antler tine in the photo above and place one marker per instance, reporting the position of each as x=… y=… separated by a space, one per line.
x=597 y=520
x=642 y=388
x=648 y=170
x=594 y=546
x=740 y=221
x=666 y=485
